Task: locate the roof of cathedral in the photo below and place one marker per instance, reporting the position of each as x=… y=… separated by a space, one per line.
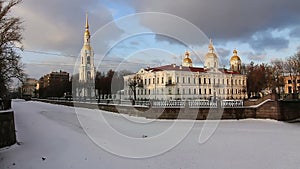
x=177 y=68
x=174 y=67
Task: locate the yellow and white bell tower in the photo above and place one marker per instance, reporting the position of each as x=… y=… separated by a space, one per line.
x=86 y=69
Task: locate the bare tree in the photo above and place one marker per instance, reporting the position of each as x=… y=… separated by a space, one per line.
x=133 y=83
x=291 y=68
x=278 y=74
x=10 y=35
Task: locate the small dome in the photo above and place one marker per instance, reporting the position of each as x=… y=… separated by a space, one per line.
x=87 y=33
x=187 y=60
x=235 y=57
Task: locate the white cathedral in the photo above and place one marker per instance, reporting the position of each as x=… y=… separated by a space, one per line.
x=86 y=84
x=185 y=82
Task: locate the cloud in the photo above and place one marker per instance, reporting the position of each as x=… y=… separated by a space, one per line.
x=295 y=32
x=253 y=56
x=227 y=19
x=224 y=56
x=170 y=40
x=265 y=40
x=298 y=48
x=59 y=25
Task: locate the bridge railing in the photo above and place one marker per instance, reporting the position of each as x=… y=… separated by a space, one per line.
x=175 y=103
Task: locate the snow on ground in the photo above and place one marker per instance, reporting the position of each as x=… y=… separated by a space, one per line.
x=51 y=137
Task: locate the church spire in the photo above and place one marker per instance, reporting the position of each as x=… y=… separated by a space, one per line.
x=87 y=32
x=211 y=46
x=86 y=21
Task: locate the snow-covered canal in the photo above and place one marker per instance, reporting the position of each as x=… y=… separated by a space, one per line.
x=51 y=137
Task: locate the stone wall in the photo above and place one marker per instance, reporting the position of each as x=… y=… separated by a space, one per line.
x=272 y=109
x=7 y=128
x=269 y=110
x=290 y=110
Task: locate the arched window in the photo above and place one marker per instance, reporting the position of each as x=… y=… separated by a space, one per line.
x=88 y=75
x=88 y=60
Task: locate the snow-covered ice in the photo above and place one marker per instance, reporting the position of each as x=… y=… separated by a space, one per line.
x=51 y=137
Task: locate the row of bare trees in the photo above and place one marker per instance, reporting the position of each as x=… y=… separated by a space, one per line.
x=271 y=76
x=109 y=83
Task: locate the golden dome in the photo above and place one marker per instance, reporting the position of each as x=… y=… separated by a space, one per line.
x=187 y=60
x=235 y=57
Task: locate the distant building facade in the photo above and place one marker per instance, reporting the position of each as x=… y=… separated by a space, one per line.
x=185 y=82
x=53 y=84
x=53 y=78
x=291 y=84
x=85 y=87
x=29 y=87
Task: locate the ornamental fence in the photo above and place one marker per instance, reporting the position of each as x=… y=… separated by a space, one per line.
x=168 y=103
x=197 y=103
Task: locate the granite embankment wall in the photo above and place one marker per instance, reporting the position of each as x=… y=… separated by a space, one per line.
x=289 y=110
x=7 y=128
x=268 y=108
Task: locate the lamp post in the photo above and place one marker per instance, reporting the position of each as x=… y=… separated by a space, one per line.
x=155 y=85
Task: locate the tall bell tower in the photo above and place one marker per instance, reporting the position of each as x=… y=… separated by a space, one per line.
x=86 y=69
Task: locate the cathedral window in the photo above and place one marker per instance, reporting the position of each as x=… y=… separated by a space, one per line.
x=88 y=60
x=88 y=75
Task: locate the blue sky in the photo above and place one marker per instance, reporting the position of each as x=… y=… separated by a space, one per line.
x=260 y=31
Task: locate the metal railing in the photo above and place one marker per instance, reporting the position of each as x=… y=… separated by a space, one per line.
x=171 y=103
